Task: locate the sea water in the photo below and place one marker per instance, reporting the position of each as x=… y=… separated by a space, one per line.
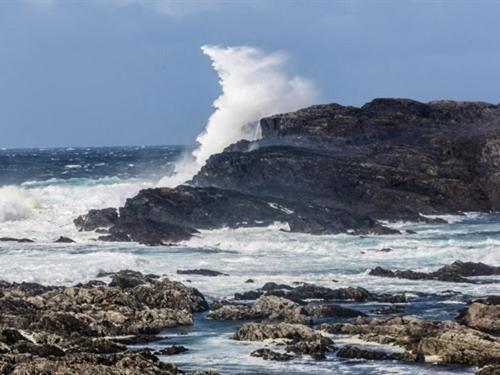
x=43 y=190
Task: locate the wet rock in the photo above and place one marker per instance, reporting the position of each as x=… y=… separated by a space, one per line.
x=272 y=355
x=489 y=370
x=358 y=353
x=482 y=316
x=10 y=239
x=454 y=272
x=248 y=296
x=172 y=350
x=298 y=338
x=83 y=363
x=266 y=331
x=329 y=311
x=332 y=169
x=234 y=312
x=64 y=240
x=249 y=281
x=271 y=308
x=96 y=219
x=442 y=342
x=273 y=286
x=201 y=272
x=136 y=340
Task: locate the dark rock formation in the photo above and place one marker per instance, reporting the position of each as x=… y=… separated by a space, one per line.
x=455 y=272
x=355 y=352
x=299 y=339
x=172 y=350
x=63 y=239
x=202 y=272
x=310 y=291
x=330 y=310
x=97 y=219
x=269 y=354
x=330 y=169
x=20 y=240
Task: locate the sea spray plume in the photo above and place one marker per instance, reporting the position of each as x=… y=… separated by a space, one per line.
x=254 y=84
x=16 y=203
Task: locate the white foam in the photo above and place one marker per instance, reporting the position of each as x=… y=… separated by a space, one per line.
x=43 y=211
x=16 y=203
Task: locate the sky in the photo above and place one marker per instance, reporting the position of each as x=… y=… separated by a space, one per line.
x=131 y=72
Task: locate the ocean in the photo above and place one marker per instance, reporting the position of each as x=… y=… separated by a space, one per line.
x=43 y=190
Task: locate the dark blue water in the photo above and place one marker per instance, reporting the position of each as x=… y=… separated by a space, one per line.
x=21 y=165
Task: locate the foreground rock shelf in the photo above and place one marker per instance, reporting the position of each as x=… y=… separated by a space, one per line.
x=87 y=328
x=66 y=330
x=329 y=169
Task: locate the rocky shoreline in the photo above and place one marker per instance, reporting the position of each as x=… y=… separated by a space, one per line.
x=87 y=328
x=329 y=169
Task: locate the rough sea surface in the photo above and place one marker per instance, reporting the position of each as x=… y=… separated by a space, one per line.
x=43 y=190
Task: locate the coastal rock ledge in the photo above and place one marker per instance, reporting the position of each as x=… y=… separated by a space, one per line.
x=330 y=169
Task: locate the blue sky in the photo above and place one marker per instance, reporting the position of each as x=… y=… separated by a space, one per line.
x=121 y=72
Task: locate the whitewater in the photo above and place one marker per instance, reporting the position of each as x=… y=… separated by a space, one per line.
x=43 y=190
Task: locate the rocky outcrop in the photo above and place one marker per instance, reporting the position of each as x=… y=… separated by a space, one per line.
x=430 y=341
x=299 y=339
x=483 y=315
x=310 y=291
x=46 y=329
x=330 y=169
x=359 y=353
x=269 y=308
x=454 y=272
x=269 y=354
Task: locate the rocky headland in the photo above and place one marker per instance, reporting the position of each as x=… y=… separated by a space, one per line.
x=329 y=169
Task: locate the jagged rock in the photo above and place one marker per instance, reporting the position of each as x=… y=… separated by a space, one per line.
x=269 y=354
x=172 y=350
x=135 y=363
x=431 y=341
x=265 y=331
x=66 y=330
x=267 y=307
x=299 y=338
x=97 y=219
x=355 y=352
x=330 y=169
x=482 y=316
x=455 y=272
x=202 y=272
x=234 y=312
x=329 y=310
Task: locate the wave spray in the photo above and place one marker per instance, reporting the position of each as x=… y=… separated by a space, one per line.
x=254 y=84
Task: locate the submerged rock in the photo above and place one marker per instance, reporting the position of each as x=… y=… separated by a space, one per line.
x=20 y=240
x=63 y=239
x=202 y=272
